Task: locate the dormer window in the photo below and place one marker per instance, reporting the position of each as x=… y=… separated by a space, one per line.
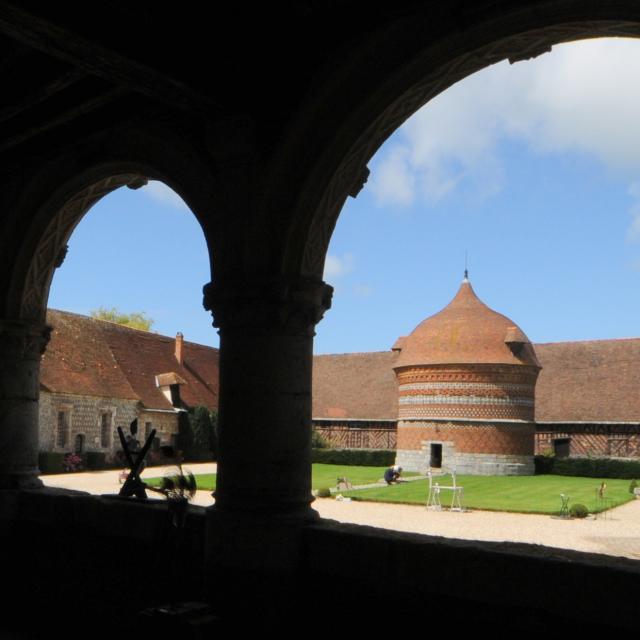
x=169 y=384
x=174 y=390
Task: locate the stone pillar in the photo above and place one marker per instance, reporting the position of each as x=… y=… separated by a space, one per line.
x=263 y=495
x=22 y=344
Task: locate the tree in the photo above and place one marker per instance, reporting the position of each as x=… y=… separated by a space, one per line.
x=135 y=320
x=201 y=438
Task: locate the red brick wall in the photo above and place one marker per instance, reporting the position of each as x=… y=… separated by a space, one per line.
x=507 y=439
x=480 y=391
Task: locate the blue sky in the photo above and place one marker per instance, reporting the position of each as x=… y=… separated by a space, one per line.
x=533 y=169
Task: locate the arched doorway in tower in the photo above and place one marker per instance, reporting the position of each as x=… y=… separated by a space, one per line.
x=526 y=175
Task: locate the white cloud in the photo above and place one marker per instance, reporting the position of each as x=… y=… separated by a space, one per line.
x=163 y=194
x=363 y=290
x=394 y=182
x=582 y=97
x=336 y=267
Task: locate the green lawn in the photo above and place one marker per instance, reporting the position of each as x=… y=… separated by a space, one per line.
x=523 y=494
x=323 y=475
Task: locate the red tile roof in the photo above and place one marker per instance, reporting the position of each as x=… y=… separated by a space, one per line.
x=592 y=381
x=355 y=385
x=588 y=381
x=465 y=331
x=94 y=357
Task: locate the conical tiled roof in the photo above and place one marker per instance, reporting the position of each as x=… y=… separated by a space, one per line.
x=466 y=331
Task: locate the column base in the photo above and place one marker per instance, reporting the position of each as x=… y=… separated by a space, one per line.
x=253 y=560
x=20 y=480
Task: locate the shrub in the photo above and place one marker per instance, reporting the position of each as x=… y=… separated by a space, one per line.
x=543 y=464
x=50 y=462
x=198 y=438
x=588 y=467
x=633 y=485
x=318 y=441
x=354 y=457
x=578 y=511
x=95 y=460
x=324 y=492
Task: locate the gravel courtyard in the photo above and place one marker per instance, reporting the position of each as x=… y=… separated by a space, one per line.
x=615 y=533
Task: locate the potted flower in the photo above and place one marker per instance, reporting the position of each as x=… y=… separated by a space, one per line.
x=178 y=488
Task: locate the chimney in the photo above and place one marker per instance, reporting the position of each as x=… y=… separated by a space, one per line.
x=179 y=347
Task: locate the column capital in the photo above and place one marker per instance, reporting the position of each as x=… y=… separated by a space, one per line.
x=291 y=307
x=23 y=339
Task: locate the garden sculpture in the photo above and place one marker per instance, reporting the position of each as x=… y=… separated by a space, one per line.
x=133 y=485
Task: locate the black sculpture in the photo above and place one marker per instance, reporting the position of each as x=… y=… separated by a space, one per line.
x=133 y=485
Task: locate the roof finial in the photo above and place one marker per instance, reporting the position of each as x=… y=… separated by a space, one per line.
x=466 y=271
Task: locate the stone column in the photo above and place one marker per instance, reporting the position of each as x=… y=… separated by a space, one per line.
x=266 y=341
x=22 y=344
x=263 y=493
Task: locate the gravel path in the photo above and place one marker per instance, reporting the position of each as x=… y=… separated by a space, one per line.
x=617 y=533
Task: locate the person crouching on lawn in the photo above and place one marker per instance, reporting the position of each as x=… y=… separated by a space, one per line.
x=392 y=474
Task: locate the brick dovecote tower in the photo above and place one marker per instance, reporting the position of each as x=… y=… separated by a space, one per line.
x=466 y=387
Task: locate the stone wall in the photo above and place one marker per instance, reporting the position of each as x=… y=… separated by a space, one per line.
x=84 y=414
x=165 y=424
x=476 y=464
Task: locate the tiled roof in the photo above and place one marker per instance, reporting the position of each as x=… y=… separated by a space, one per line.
x=466 y=331
x=592 y=381
x=588 y=381
x=355 y=385
x=93 y=357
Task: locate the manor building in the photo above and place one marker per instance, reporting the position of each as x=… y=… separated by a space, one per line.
x=470 y=391
x=98 y=375
x=465 y=389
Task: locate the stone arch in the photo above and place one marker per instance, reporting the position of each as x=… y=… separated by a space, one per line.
x=385 y=101
x=51 y=249
x=42 y=208
x=56 y=200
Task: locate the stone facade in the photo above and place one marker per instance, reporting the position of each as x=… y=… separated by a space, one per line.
x=82 y=423
x=70 y=422
x=164 y=422
x=66 y=418
x=97 y=376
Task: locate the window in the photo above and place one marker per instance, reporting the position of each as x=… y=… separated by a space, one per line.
x=105 y=429
x=64 y=423
x=562 y=447
x=78 y=446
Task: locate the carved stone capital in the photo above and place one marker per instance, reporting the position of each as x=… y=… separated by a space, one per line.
x=23 y=339
x=274 y=305
x=359 y=182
